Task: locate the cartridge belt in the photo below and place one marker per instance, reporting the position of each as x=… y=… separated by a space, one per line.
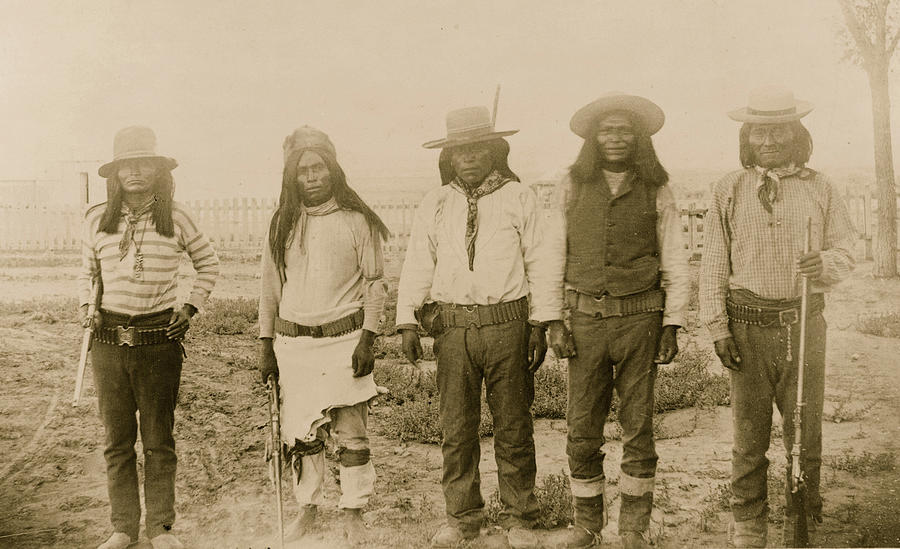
x=339 y=327
x=133 y=331
x=464 y=316
x=782 y=312
x=607 y=305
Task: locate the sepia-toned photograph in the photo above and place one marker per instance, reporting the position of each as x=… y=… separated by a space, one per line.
x=461 y=274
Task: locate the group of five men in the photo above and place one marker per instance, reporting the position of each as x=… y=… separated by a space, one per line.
x=601 y=278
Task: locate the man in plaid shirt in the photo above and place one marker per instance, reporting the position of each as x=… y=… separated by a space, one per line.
x=750 y=296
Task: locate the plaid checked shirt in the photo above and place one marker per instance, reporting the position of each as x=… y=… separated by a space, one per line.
x=749 y=248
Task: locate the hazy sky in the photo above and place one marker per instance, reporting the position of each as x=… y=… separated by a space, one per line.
x=222 y=83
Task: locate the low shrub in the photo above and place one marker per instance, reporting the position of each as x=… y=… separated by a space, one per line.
x=554 y=497
x=550 y=391
x=688 y=382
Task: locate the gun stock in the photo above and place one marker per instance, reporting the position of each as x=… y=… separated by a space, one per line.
x=93 y=306
x=275 y=449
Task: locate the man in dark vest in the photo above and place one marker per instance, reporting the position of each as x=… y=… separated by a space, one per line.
x=626 y=287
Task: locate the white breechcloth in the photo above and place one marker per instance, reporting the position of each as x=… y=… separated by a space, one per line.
x=315 y=375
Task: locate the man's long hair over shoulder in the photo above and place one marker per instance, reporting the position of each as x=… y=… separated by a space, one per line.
x=160 y=212
x=281 y=228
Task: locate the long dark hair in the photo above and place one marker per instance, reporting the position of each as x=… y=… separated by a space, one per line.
x=801 y=148
x=499 y=155
x=160 y=212
x=645 y=163
x=284 y=220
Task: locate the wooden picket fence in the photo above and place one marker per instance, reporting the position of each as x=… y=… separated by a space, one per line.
x=237 y=223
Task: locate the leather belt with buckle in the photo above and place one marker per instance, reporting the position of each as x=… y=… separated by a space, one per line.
x=785 y=315
x=339 y=327
x=132 y=336
x=607 y=306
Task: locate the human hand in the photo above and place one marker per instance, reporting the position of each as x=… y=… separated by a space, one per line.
x=180 y=322
x=537 y=347
x=267 y=364
x=412 y=347
x=94 y=322
x=810 y=265
x=668 y=345
x=728 y=353
x=560 y=339
x=363 y=357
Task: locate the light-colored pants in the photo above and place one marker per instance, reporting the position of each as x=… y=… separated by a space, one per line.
x=348 y=430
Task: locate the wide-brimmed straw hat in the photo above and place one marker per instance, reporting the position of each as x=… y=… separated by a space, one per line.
x=134 y=142
x=468 y=125
x=771 y=105
x=584 y=120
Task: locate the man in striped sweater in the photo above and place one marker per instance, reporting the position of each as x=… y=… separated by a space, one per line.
x=133 y=243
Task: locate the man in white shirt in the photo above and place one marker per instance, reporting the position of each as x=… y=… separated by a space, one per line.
x=477 y=250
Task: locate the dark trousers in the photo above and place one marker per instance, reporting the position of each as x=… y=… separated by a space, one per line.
x=766 y=376
x=614 y=352
x=497 y=355
x=145 y=380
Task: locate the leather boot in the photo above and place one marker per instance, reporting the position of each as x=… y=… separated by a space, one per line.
x=302 y=524
x=579 y=537
x=634 y=540
x=354 y=526
x=449 y=535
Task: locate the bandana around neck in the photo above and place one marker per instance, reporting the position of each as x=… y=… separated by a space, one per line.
x=490 y=184
x=325 y=208
x=131 y=219
x=769 y=181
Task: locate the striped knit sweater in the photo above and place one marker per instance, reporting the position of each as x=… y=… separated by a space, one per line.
x=156 y=290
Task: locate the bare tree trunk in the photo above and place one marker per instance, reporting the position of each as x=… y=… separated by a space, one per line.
x=886 y=241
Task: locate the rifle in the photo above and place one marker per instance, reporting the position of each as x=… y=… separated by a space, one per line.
x=93 y=306
x=273 y=449
x=798 y=477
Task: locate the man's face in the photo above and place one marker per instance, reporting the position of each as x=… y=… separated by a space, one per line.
x=313 y=178
x=472 y=163
x=137 y=175
x=771 y=144
x=616 y=137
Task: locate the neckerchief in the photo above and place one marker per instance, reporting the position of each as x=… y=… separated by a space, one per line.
x=324 y=208
x=768 y=182
x=490 y=184
x=131 y=219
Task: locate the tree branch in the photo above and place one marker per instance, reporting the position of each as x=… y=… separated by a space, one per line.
x=863 y=44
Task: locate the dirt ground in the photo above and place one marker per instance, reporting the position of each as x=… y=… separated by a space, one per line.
x=53 y=483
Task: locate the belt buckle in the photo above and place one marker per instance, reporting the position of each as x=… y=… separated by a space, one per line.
x=471 y=315
x=315 y=331
x=608 y=308
x=125 y=336
x=788 y=316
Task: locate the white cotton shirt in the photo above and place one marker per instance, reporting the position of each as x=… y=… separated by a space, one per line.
x=512 y=254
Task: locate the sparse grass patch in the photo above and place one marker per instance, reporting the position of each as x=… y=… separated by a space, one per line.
x=882 y=325
x=847 y=408
x=48 y=310
x=863 y=464
x=227 y=316
x=718 y=500
x=554 y=497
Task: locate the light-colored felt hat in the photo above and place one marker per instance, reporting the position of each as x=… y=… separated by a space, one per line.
x=584 y=120
x=468 y=125
x=771 y=105
x=134 y=142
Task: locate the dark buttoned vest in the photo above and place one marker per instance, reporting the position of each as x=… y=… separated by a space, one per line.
x=612 y=246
